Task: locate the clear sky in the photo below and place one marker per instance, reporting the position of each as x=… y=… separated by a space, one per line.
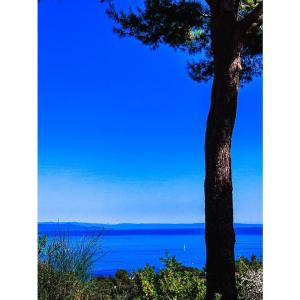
x=121 y=127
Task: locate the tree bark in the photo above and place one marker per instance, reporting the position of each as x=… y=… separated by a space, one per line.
x=219 y=231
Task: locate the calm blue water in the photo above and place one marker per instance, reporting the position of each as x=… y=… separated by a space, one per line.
x=132 y=249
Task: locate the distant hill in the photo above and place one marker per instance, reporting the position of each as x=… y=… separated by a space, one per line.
x=77 y=228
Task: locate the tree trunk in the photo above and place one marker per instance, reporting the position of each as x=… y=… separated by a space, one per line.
x=219 y=232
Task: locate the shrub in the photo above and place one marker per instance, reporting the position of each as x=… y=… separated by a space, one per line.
x=63 y=286
x=249 y=279
x=64 y=268
x=176 y=282
x=115 y=288
x=173 y=282
x=65 y=256
x=64 y=273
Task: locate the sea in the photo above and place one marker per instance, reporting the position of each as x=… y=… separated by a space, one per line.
x=132 y=246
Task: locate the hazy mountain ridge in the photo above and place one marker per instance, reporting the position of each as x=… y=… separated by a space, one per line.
x=51 y=227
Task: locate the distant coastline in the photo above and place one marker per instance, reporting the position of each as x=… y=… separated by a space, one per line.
x=75 y=228
x=138 y=224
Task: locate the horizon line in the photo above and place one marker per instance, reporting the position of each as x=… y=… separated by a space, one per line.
x=128 y=223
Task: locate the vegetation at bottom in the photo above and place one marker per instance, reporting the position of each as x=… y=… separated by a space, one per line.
x=64 y=273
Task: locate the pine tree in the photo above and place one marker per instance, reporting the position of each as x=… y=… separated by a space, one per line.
x=226 y=35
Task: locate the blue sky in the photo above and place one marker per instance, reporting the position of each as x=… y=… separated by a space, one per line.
x=121 y=127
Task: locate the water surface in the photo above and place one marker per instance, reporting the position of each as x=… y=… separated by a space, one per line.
x=131 y=247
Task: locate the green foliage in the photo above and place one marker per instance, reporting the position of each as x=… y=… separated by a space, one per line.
x=64 y=269
x=54 y=285
x=147 y=283
x=176 y=23
x=173 y=282
x=122 y=275
x=243 y=264
x=247 y=6
x=66 y=257
x=185 y=25
x=42 y=241
x=118 y=287
x=64 y=274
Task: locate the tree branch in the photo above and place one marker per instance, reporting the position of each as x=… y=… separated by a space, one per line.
x=252 y=21
x=205 y=15
x=210 y=2
x=236 y=8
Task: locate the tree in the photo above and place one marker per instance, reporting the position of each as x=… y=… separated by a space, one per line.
x=226 y=35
